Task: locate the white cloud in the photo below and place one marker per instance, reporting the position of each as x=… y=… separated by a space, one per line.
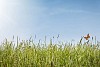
x=56 y=11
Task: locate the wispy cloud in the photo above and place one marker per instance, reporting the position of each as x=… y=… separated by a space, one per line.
x=57 y=11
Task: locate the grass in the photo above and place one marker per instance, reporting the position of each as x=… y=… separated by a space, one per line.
x=29 y=54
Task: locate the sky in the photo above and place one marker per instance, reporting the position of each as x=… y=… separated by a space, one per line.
x=71 y=19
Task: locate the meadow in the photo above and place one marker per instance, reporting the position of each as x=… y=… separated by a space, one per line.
x=26 y=53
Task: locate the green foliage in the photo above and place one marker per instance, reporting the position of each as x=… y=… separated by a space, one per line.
x=29 y=54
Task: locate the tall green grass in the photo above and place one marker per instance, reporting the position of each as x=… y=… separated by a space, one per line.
x=29 y=54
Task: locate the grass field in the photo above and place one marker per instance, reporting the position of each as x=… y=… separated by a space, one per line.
x=28 y=54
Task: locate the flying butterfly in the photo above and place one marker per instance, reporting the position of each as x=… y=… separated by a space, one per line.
x=87 y=37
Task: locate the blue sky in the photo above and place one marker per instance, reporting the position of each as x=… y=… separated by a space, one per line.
x=69 y=18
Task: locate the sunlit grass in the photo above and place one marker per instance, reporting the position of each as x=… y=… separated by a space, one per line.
x=29 y=54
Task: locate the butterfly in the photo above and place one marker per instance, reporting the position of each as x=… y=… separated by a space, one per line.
x=87 y=37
